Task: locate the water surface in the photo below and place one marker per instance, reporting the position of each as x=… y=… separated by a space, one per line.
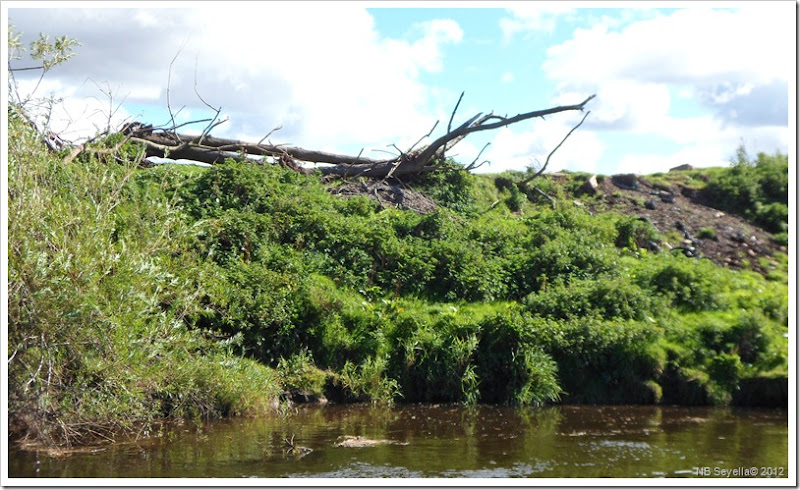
x=447 y=441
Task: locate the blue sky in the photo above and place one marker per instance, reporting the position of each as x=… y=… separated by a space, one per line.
x=682 y=84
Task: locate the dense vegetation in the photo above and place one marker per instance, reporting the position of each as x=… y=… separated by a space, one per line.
x=174 y=291
x=757 y=188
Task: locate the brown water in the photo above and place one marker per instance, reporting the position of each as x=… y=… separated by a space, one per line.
x=447 y=441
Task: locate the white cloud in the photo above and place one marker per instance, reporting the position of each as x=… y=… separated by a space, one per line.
x=731 y=63
x=691 y=45
x=322 y=71
x=532 y=16
x=507 y=77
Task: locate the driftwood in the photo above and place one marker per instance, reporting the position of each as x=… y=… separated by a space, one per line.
x=162 y=142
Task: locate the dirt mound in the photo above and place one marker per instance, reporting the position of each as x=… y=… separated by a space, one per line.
x=388 y=195
x=688 y=223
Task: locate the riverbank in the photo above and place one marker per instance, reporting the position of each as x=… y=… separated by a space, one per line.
x=137 y=294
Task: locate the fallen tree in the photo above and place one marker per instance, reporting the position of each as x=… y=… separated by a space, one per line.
x=161 y=142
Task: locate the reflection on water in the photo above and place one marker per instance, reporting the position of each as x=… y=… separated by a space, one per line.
x=443 y=441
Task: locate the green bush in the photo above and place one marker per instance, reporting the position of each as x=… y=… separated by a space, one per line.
x=608 y=297
x=431 y=359
x=691 y=285
x=633 y=233
x=516 y=199
x=708 y=233
x=511 y=367
x=603 y=361
x=452 y=187
x=298 y=372
x=754 y=188
x=367 y=382
x=725 y=370
x=102 y=282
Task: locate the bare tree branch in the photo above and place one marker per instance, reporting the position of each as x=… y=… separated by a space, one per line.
x=547 y=161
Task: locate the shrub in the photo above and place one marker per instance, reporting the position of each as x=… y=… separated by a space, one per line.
x=607 y=297
x=452 y=187
x=748 y=338
x=516 y=199
x=707 y=233
x=431 y=359
x=298 y=372
x=725 y=370
x=633 y=233
x=601 y=361
x=367 y=382
x=754 y=188
x=511 y=367
x=692 y=285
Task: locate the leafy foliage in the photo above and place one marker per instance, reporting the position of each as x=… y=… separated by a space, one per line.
x=757 y=189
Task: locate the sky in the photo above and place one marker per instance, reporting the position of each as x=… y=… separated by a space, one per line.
x=675 y=82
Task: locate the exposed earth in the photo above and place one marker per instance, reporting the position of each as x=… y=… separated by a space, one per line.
x=689 y=224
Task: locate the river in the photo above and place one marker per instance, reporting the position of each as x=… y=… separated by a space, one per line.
x=446 y=441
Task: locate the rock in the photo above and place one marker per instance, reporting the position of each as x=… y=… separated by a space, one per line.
x=653 y=247
x=359 y=441
x=679 y=225
x=750 y=252
x=578 y=203
x=719 y=215
x=646 y=220
x=590 y=186
x=667 y=196
x=688 y=251
x=681 y=168
x=626 y=181
x=651 y=204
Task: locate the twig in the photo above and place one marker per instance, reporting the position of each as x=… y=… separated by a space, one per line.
x=427 y=135
x=547 y=161
x=169 y=80
x=552 y=201
x=354 y=162
x=183 y=124
x=450 y=122
x=211 y=125
x=276 y=128
x=472 y=165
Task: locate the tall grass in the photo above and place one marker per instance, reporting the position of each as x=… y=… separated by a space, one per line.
x=100 y=286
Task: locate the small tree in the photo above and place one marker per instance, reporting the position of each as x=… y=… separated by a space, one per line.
x=48 y=54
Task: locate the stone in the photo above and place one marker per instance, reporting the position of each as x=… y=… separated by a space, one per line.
x=590 y=186
x=626 y=181
x=651 y=204
x=667 y=196
x=681 y=168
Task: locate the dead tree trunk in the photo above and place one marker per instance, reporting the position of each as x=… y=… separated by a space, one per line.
x=168 y=143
